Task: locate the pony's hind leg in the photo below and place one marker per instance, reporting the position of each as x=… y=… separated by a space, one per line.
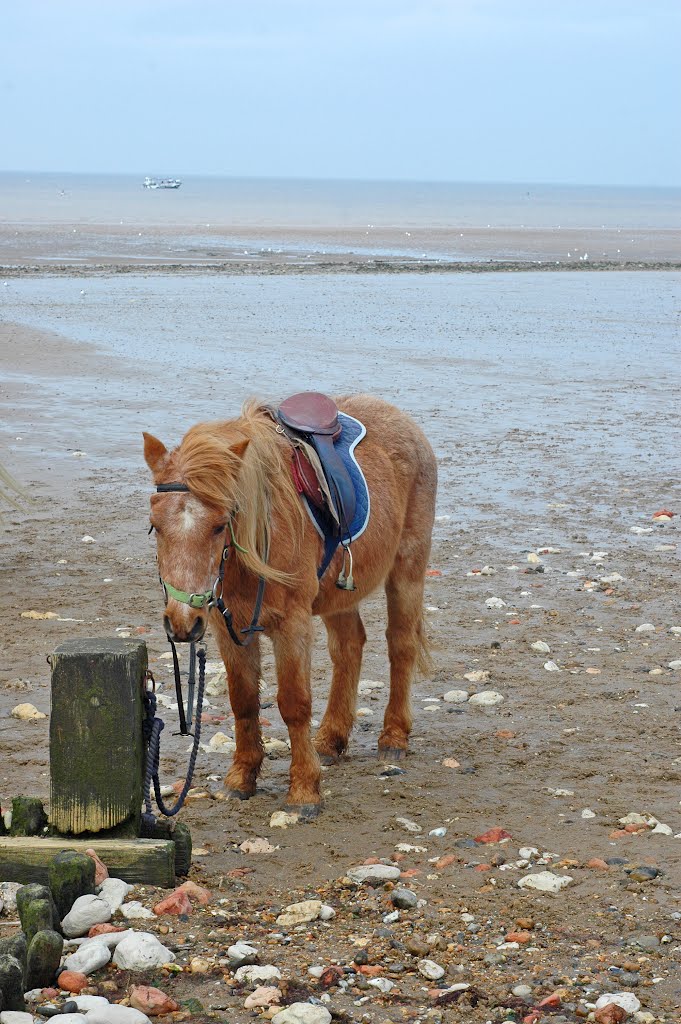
x=346 y=639
x=406 y=645
x=243 y=679
x=292 y=652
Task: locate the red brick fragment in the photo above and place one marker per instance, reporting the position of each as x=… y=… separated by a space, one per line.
x=521 y=937
x=444 y=862
x=493 y=835
x=610 y=1014
x=196 y=893
x=101 y=870
x=72 y=981
x=152 y=1001
x=177 y=903
x=103 y=929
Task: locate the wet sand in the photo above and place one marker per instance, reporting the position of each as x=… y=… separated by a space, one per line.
x=244 y=249
x=551 y=403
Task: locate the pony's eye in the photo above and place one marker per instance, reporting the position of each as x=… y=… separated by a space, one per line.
x=217 y=530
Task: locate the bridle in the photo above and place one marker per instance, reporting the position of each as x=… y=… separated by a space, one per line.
x=213 y=598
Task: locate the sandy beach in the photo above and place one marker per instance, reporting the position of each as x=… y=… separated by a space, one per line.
x=551 y=402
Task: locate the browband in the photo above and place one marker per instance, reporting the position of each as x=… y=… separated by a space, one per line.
x=164 y=488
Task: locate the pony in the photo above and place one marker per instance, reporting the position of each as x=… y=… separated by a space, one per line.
x=230 y=508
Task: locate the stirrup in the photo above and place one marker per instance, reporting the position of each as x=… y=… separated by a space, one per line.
x=346 y=582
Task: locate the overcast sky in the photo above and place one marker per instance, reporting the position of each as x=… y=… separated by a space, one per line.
x=575 y=91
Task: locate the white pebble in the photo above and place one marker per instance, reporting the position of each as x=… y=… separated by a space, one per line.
x=627 y=1000
x=89 y=1002
x=27 y=713
x=374 y=873
x=141 y=951
x=85 y=912
x=114 y=891
x=540 y=646
x=115 y=1014
x=551 y=666
x=282 y=819
x=136 y=911
x=456 y=696
x=302 y=1013
x=382 y=984
x=257 y=973
x=495 y=602
x=409 y=825
x=528 y=852
x=242 y=949
x=545 y=881
x=486 y=699
x=481 y=676
x=89 y=958
x=429 y=969
x=645 y=627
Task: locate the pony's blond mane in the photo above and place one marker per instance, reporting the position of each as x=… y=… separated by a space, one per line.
x=256 y=484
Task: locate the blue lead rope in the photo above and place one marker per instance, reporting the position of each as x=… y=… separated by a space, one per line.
x=152 y=729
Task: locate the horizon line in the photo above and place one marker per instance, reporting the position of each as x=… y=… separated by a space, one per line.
x=347 y=180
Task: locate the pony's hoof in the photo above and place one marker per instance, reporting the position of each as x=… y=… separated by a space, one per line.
x=391 y=754
x=239 y=794
x=305 y=812
x=329 y=759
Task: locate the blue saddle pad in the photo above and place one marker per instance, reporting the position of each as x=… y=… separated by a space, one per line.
x=351 y=434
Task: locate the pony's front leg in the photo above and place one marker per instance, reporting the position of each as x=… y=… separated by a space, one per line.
x=292 y=652
x=243 y=678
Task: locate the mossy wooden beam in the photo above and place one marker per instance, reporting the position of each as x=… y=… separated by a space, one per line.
x=138 y=861
x=96 y=749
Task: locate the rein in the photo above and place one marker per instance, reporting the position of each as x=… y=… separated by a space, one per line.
x=153 y=727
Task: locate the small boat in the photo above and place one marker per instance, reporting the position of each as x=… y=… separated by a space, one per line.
x=161 y=183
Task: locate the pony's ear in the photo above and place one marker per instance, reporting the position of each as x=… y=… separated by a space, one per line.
x=155 y=452
x=240 y=447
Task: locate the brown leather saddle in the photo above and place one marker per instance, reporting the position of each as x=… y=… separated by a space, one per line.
x=310 y=421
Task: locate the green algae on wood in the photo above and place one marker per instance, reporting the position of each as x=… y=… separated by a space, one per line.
x=96 y=745
x=143 y=861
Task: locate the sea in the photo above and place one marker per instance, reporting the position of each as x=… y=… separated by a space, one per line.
x=56 y=217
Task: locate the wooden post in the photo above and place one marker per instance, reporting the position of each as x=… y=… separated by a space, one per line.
x=145 y=861
x=96 y=748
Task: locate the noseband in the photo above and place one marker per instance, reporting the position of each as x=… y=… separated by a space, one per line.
x=213 y=598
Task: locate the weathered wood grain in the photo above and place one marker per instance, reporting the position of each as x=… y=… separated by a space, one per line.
x=144 y=861
x=96 y=748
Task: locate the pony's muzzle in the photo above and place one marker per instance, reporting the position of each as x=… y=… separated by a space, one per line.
x=180 y=635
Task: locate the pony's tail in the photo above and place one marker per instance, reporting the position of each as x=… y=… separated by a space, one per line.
x=424 y=660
